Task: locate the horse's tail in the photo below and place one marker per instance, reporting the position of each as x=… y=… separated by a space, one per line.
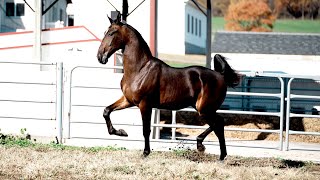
x=231 y=77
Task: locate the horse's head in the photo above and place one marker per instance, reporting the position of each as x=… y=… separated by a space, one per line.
x=113 y=40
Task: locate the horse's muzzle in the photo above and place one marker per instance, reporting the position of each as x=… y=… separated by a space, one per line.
x=102 y=58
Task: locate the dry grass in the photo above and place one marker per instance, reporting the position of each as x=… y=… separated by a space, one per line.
x=248 y=121
x=46 y=162
x=51 y=163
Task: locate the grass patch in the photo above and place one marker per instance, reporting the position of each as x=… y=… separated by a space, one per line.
x=297 y=26
x=57 y=161
x=218 y=24
x=280 y=25
x=188 y=164
x=24 y=140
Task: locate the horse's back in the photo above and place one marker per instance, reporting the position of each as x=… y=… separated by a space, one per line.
x=182 y=87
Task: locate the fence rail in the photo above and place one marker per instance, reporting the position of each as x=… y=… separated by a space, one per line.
x=283 y=98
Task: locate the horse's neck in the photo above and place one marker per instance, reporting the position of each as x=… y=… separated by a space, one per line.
x=135 y=55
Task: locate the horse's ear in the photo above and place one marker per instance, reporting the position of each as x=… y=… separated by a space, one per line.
x=119 y=16
x=110 y=19
x=118 y=20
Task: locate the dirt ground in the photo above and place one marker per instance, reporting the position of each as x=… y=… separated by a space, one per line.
x=43 y=162
x=46 y=162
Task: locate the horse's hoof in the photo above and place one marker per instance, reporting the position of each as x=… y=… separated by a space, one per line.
x=146 y=153
x=201 y=148
x=222 y=156
x=121 y=132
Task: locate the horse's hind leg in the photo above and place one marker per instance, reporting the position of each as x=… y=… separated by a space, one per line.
x=218 y=129
x=122 y=103
x=200 y=139
x=216 y=124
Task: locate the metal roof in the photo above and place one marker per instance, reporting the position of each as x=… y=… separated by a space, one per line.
x=266 y=43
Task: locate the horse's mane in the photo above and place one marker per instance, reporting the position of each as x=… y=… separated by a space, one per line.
x=142 y=42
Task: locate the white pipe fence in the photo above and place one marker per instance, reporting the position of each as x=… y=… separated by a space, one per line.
x=63 y=124
x=289 y=114
x=33 y=91
x=156 y=125
x=279 y=114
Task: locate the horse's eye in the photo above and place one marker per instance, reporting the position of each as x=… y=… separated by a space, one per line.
x=111 y=33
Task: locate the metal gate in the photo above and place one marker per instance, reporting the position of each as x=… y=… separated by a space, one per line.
x=31 y=98
x=278 y=113
x=77 y=122
x=306 y=98
x=91 y=89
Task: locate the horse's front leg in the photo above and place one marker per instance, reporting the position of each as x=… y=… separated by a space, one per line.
x=146 y=111
x=122 y=103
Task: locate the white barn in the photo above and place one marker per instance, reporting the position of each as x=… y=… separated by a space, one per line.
x=16 y=15
x=181 y=26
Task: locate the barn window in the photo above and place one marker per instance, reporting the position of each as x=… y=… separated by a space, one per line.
x=188 y=23
x=191 y=24
x=70 y=20
x=199 y=28
x=54 y=14
x=61 y=15
x=196 y=26
x=14 y=9
x=9 y=9
x=20 y=9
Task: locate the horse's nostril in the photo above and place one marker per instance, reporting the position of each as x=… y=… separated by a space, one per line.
x=99 y=56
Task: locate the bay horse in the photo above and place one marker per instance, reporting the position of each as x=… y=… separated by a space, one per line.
x=150 y=83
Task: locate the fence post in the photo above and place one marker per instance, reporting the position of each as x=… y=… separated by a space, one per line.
x=282 y=102
x=174 y=122
x=288 y=111
x=59 y=100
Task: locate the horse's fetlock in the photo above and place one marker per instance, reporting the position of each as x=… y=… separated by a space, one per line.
x=199 y=139
x=112 y=131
